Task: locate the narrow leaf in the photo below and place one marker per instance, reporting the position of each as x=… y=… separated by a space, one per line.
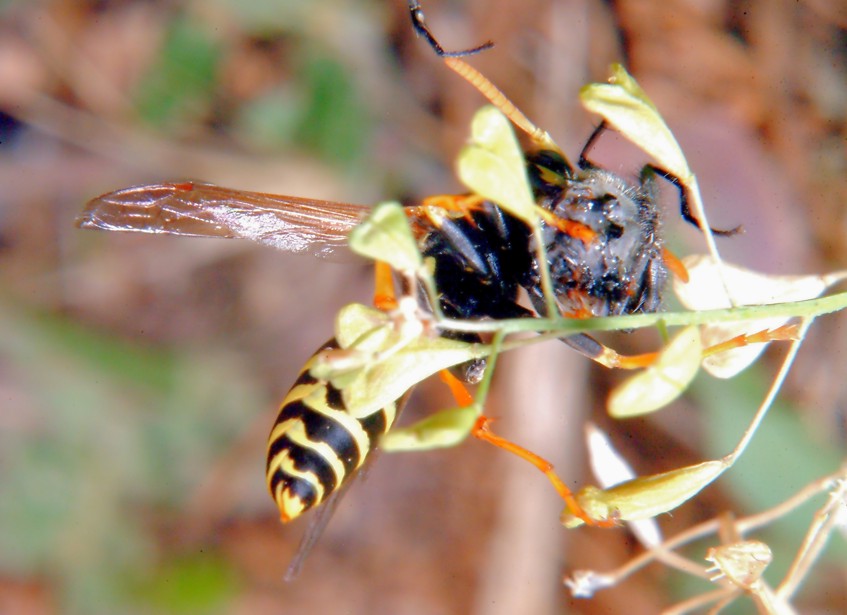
x=647 y=496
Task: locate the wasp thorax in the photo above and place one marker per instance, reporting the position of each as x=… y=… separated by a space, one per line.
x=621 y=269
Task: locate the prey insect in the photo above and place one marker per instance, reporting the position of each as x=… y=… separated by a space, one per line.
x=598 y=251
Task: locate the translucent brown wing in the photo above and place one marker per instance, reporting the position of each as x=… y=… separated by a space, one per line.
x=195 y=209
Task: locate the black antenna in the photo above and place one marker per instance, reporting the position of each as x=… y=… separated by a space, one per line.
x=419 y=24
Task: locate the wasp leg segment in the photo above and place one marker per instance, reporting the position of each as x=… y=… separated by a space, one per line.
x=457 y=388
x=482 y=431
x=419 y=24
x=589 y=347
x=784 y=333
x=674 y=265
x=385 y=298
x=463 y=204
x=594 y=350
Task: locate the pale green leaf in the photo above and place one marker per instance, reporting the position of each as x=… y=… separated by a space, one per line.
x=610 y=469
x=625 y=106
x=385 y=236
x=441 y=430
x=381 y=357
x=356 y=321
x=493 y=165
x=387 y=380
x=647 y=496
x=663 y=381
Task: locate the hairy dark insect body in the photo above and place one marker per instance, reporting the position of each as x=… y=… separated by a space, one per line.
x=608 y=261
x=622 y=268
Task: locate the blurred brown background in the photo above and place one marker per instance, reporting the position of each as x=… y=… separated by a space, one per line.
x=139 y=375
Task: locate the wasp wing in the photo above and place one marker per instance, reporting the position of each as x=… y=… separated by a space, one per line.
x=194 y=209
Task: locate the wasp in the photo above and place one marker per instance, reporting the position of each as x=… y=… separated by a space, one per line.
x=602 y=245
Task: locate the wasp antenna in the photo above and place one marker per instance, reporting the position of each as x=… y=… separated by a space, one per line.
x=419 y=24
x=496 y=97
x=584 y=163
x=684 y=207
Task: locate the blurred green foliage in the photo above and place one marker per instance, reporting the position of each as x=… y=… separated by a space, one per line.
x=319 y=112
x=333 y=123
x=179 y=85
x=117 y=434
x=113 y=431
x=199 y=584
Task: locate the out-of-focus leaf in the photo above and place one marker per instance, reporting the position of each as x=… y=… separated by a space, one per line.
x=91 y=449
x=200 y=584
x=319 y=110
x=114 y=359
x=333 y=121
x=259 y=15
x=272 y=119
x=784 y=456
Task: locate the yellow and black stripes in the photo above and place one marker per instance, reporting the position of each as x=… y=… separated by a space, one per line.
x=316 y=444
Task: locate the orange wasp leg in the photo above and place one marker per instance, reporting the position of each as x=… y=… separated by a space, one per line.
x=385 y=298
x=675 y=265
x=607 y=357
x=462 y=203
x=590 y=348
x=783 y=333
x=482 y=431
x=457 y=388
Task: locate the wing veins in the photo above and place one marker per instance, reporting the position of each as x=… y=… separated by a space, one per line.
x=290 y=224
